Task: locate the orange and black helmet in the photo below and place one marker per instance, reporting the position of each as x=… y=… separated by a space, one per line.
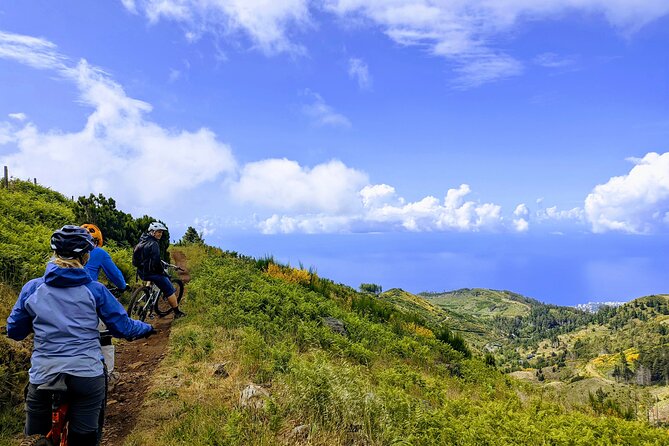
x=95 y=233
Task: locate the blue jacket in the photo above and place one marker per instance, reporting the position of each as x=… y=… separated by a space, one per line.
x=62 y=308
x=101 y=259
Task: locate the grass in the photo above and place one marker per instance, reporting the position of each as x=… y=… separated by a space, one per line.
x=382 y=385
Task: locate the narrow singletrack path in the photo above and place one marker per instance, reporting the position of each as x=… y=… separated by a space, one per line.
x=136 y=363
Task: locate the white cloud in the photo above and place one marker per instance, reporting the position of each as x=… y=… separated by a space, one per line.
x=378 y=195
x=204 y=226
x=637 y=202
x=553 y=60
x=267 y=23
x=334 y=198
x=474 y=71
x=118 y=151
x=463 y=31
x=521 y=210
x=311 y=224
x=358 y=70
x=521 y=225
x=281 y=184
x=322 y=114
x=18 y=116
x=553 y=213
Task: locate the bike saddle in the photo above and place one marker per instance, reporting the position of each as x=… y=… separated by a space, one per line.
x=55 y=385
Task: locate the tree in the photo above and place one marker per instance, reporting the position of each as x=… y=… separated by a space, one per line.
x=116 y=225
x=371 y=288
x=191 y=237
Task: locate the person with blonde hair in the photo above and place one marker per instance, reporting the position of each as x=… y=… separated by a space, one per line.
x=62 y=309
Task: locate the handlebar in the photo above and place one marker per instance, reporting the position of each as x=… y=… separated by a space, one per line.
x=169 y=265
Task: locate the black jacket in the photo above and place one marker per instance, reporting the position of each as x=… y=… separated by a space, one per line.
x=151 y=261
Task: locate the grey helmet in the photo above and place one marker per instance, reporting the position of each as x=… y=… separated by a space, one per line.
x=157 y=226
x=71 y=242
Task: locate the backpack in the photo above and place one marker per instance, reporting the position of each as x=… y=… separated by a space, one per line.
x=138 y=260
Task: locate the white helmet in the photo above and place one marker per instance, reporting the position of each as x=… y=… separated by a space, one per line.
x=157 y=226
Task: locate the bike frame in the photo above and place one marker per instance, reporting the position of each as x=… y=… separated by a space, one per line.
x=155 y=291
x=59 y=422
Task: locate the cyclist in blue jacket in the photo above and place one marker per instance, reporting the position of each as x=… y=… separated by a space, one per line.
x=101 y=260
x=62 y=309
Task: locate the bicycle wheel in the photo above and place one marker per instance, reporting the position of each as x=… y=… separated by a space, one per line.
x=138 y=308
x=162 y=306
x=36 y=440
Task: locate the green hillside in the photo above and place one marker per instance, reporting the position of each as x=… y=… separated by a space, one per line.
x=29 y=214
x=380 y=383
x=330 y=365
x=482 y=303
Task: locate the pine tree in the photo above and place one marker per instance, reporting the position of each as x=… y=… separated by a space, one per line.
x=191 y=237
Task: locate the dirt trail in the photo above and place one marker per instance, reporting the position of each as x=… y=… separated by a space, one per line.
x=135 y=362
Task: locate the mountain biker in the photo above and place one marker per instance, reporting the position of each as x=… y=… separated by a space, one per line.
x=62 y=309
x=101 y=260
x=149 y=264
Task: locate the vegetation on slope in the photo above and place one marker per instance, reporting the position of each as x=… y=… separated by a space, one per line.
x=381 y=383
x=29 y=214
x=392 y=373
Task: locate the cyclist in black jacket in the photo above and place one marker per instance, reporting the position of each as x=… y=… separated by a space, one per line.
x=150 y=267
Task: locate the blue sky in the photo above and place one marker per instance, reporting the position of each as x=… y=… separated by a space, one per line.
x=422 y=144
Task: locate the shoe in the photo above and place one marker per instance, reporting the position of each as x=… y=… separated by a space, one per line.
x=178 y=314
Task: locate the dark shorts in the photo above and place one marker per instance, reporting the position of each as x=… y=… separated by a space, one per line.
x=162 y=282
x=86 y=397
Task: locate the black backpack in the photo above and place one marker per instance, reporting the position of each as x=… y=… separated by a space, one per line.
x=138 y=260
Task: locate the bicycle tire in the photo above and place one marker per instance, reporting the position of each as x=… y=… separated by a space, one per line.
x=137 y=308
x=162 y=307
x=36 y=440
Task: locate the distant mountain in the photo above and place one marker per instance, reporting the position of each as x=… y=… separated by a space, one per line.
x=594 y=307
x=508 y=320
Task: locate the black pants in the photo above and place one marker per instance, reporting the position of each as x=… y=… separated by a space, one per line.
x=86 y=397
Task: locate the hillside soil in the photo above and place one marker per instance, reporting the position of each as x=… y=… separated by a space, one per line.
x=135 y=363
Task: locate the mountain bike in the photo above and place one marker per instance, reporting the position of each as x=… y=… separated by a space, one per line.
x=57 y=436
x=149 y=299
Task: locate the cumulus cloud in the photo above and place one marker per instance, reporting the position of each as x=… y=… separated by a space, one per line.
x=521 y=210
x=118 y=151
x=521 y=214
x=321 y=113
x=332 y=197
x=358 y=70
x=266 y=23
x=284 y=185
x=637 y=202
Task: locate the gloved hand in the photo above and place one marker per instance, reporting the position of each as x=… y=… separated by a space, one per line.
x=145 y=335
x=150 y=332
